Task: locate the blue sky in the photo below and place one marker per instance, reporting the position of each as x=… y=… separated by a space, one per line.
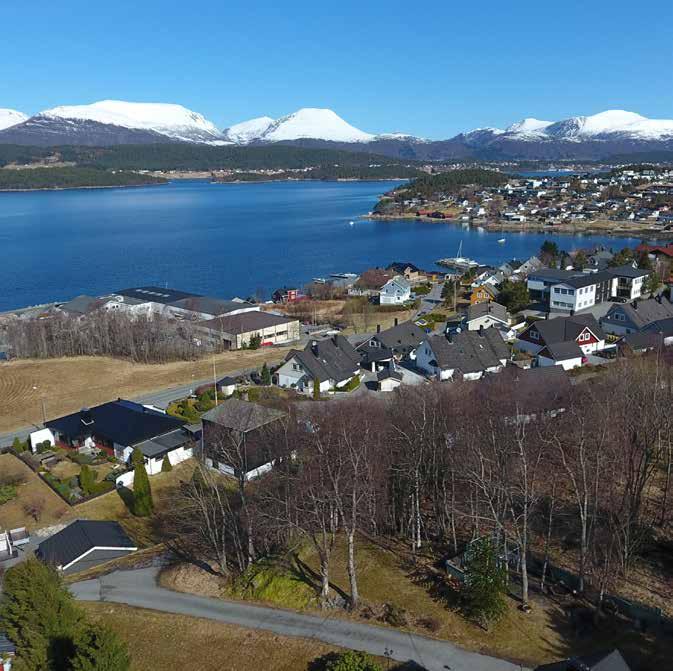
x=428 y=68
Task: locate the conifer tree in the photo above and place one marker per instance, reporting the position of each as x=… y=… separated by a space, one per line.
x=266 y=375
x=166 y=466
x=98 y=648
x=142 y=493
x=316 y=389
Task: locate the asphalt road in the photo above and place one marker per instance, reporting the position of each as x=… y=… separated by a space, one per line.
x=139 y=588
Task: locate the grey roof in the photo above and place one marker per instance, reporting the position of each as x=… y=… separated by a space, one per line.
x=81 y=305
x=587 y=279
x=210 y=306
x=482 y=309
x=642 y=313
x=241 y=415
x=389 y=373
x=628 y=270
x=561 y=351
x=161 y=445
x=643 y=340
x=81 y=536
x=469 y=351
x=246 y=322
x=562 y=329
x=601 y=661
x=373 y=354
x=6 y=646
x=155 y=294
x=330 y=359
x=552 y=274
x=401 y=339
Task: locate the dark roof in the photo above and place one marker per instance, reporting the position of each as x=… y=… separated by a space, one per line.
x=644 y=340
x=553 y=274
x=389 y=373
x=124 y=422
x=227 y=381
x=372 y=354
x=561 y=351
x=81 y=536
x=156 y=294
x=601 y=661
x=401 y=339
x=246 y=322
x=81 y=305
x=6 y=646
x=209 y=305
x=241 y=415
x=469 y=351
x=330 y=359
x=400 y=267
x=642 y=312
x=161 y=445
x=661 y=326
x=562 y=329
x=628 y=270
x=587 y=279
x=374 y=278
x=482 y=309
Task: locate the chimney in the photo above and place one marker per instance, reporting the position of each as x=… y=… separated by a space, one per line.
x=634 y=305
x=395 y=321
x=378 y=328
x=449 y=336
x=314 y=346
x=481 y=331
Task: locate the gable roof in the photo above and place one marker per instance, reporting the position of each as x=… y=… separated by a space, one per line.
x=587 y=279
x=123 y=422
x=627 y=270
x=601 y=661
x=330 y=359
x=374 y=278
x=211 y=306
x=246 y=322
x=398 y=280
x=643 y=312
x=562 y=351
x=402 y=338
x=81 y=305
x=493 y=309
x=469 y=351
x=562 y=329
x=241 y=415
x=81 y=536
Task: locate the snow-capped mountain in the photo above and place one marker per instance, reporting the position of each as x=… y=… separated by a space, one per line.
x=10 y=118
x=114 y=122
x=529 y=126
x=248 y=131
x=307 y=123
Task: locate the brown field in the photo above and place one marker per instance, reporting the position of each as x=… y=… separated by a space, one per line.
x=68 y=384
x=160 y=641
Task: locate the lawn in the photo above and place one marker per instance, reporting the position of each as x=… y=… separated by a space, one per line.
x=160 y=641
x=68 y=384
x=544 y=635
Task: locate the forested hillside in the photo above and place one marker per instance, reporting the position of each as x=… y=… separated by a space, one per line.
x=70 y=178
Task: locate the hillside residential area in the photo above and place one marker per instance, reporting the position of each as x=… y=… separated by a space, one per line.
x=524 y=344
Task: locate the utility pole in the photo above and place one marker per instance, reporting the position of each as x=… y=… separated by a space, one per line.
x=214 y=380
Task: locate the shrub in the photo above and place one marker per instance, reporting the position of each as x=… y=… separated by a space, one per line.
x=394 y=615
x=20 y=445
x=351 y=661
x=166 y=466
x=87 y=479
x=80 y=459
x=7 y=493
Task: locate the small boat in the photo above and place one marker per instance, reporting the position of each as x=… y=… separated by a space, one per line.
x=352 y=223
x=501 y=241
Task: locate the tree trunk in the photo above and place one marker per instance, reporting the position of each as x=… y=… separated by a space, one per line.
x=352 y=575
x=324 y=578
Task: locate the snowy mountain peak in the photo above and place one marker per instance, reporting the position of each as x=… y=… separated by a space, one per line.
x=528 y=125
x=10 y=118
x=247 y=131
x=314 y=123
x=172 y=120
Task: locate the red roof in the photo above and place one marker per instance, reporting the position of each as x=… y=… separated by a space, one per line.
x=656 y=249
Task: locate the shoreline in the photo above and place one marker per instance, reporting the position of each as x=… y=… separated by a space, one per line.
x=562 y=229
x=342 y=179
x=74 y=188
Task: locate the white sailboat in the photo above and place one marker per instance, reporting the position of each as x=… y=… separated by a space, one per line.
x=460 y=261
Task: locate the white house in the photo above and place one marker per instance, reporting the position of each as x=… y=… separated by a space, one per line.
x=568 y=355
x=395 y=291
x=485 y=315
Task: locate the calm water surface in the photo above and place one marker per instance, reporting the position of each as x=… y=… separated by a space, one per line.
x=223 y=240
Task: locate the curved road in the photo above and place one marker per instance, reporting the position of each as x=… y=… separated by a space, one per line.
x=139 y=588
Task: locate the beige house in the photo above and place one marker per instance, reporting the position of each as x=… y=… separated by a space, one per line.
x=236 y=331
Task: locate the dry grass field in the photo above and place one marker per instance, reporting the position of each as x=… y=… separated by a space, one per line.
x=160 y=641
x=68 y=384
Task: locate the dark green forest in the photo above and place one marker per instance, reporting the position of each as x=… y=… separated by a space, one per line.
x=70 y=178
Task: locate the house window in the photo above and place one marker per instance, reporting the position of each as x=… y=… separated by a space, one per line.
x=534 y=335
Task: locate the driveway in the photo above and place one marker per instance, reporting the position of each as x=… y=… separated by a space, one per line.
x=431 y=300
x=139 y=588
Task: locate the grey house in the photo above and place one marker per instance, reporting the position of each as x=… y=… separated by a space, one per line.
x=84 y=544
x=638 y=316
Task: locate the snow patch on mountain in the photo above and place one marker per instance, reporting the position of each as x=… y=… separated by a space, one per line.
x=172 y=120
x=247 y=131
x=612 y=123
x=528 y=126
x=9 y=118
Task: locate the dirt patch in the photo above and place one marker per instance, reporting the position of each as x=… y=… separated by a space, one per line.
x=191 y=579
x=67 y=384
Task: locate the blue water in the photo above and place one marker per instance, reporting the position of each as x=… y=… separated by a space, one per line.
x=219 y=239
